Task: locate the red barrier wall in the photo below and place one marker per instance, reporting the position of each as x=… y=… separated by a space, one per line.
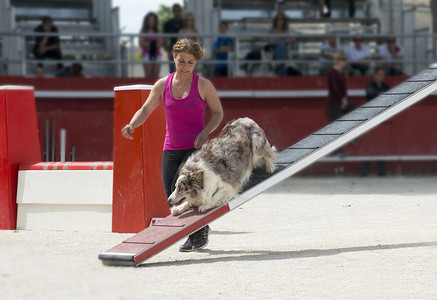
x=18 y=143
x=138 y=193
x=288 y=119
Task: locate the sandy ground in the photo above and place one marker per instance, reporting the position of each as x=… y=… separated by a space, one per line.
x=306 y=238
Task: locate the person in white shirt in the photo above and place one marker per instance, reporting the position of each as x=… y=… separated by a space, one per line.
x=327 y=53
x=358 y=56
x=391 y=51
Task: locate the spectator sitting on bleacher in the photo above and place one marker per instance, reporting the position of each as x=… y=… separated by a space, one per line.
x=327 y=53
x=222 y=46
x=357 y=55
x=47 y=46
x=391 y=51
x=280 y=26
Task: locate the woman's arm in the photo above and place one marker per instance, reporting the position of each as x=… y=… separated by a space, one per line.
x=144 y=112
x=142 y=43
x=160 y=42
x=209 y=94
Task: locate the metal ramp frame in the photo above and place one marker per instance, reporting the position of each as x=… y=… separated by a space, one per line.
x=171 y=229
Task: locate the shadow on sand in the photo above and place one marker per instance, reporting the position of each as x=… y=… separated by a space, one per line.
x=260 y=255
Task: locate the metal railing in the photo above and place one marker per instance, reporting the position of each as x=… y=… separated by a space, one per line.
x=123 y=58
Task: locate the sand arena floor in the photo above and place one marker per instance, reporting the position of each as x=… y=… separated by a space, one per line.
x=306 y=238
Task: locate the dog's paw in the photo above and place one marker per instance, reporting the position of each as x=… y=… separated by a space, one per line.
x=175 y=211
x=203 y=208
x=270 y=167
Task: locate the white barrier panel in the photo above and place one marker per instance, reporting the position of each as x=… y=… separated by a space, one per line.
x=78 y=200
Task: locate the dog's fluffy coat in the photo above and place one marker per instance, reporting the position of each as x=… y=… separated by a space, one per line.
x=215 y=174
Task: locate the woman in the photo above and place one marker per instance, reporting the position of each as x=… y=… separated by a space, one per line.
x=189 y=28
x=151 y=53
x=185 y=96
x=280 y=26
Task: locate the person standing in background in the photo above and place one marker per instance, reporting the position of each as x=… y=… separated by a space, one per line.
x=151 y=53
x=173 y=26
x=338 y=102
x=374 y=88
x=221 y=48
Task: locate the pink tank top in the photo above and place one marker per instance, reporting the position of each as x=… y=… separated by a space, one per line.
x=184 y=116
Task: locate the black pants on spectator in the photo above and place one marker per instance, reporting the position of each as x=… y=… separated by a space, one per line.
x=335 y=112
x=389 y=71
x=362 y=69
x=54 y=53
x=351 y=8
x=223 y=72
x=380 y=168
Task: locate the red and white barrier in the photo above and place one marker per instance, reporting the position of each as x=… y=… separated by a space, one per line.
x=80 y=196
x=65 y=196
x=18 y=143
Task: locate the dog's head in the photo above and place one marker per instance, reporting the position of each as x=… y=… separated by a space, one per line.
x=189 y=187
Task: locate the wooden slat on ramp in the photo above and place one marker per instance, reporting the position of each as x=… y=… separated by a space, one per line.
x=168 y=231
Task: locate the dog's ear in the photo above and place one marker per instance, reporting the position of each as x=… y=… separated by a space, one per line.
x=197 y=176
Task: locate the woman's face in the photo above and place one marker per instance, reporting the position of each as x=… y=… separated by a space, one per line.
x=151 y=21
x=185 y=63
x=189 y=21
x=280 y=21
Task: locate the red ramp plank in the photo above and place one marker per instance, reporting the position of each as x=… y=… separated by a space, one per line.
x=159 y=236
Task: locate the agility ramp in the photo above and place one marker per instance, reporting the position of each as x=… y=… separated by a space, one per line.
x=171 y=229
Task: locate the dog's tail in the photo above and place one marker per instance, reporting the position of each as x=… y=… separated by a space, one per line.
x=261 y=147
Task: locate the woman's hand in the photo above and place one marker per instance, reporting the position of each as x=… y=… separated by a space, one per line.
x=344 y=103
x=127 y=131
x=201 y=139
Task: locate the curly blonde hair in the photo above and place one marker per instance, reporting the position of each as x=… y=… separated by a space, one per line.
x=191 y=47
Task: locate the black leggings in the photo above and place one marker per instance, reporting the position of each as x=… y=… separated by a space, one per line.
x=172 y=161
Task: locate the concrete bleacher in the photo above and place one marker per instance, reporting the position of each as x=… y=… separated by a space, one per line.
x=71 y=17
x=310 y=33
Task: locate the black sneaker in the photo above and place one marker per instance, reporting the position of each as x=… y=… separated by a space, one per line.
x=200 y=238
x=188 y=245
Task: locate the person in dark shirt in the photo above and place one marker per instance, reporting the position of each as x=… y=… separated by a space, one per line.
x=173 y=26
x=337 y=88
x=374 y=88
x=47 y=46
x=337 y=92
